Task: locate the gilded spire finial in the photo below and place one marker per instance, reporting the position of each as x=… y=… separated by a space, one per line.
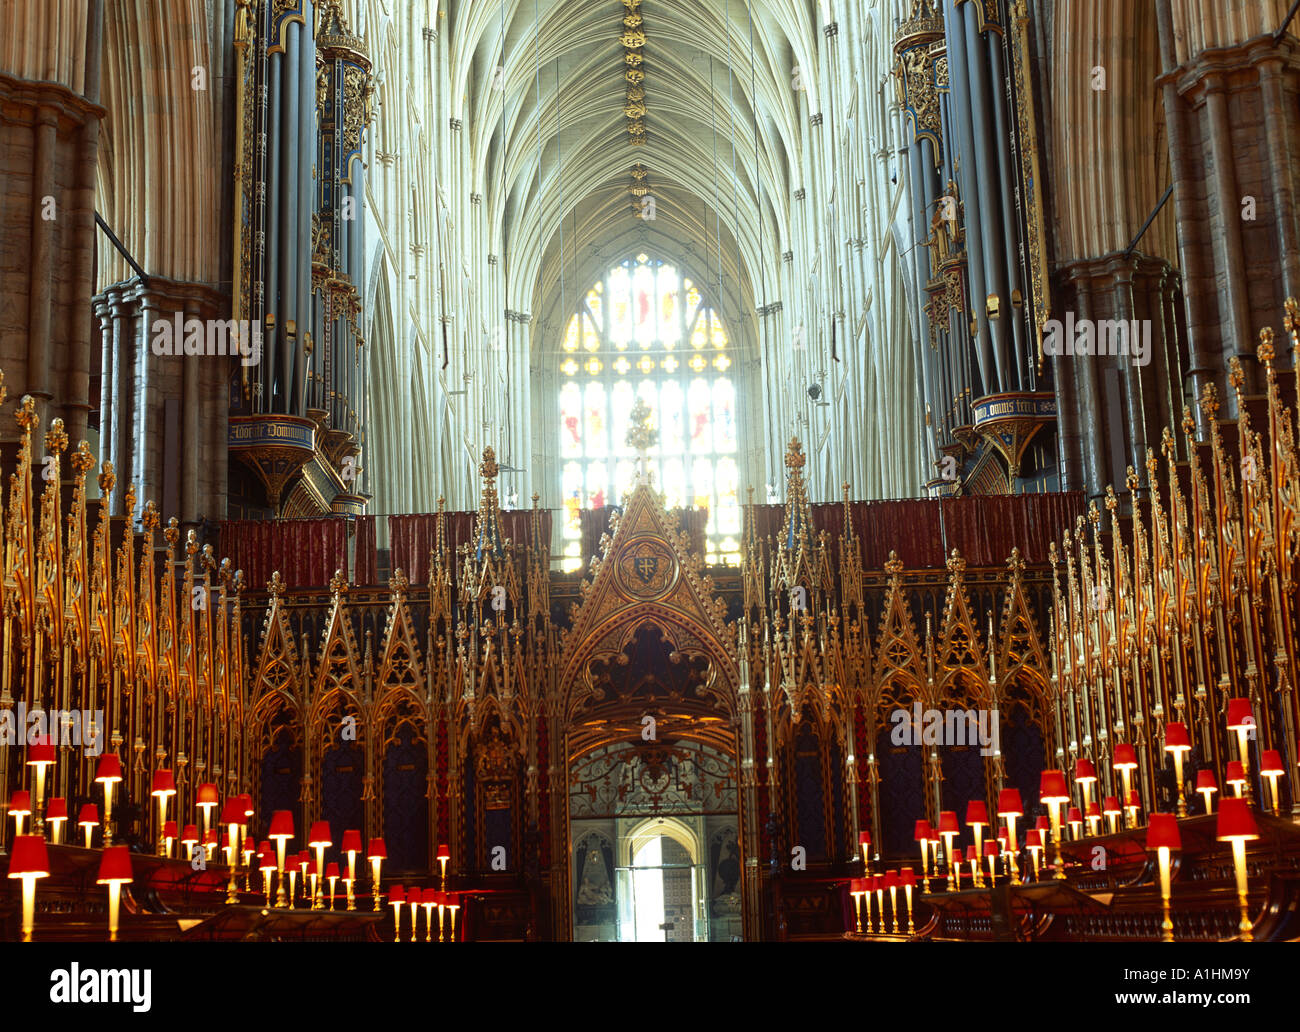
x=1265 y=351
x=56 y=438
x=640 y=434
x=1210 y=400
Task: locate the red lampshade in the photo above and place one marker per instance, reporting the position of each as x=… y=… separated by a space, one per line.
x=1125 y=756
x=20 y=802
x=1239 y=714
x=27 y=856
x=376 y=850
x=1235 y=821
x=331 y=870
x=1176 y=738
x=1112 y=805
x=265 y=856
x=304 y=860
x=1009 y=804
x=233 y=811
x=281 y=825
x=190 y=834
x=170 y=830
x=1235 y=773
x=977 y=813
x=922 y=830
x=40 y=752
x=990 y=848
x=1043 y=824
x=432 y=897
x=1084 y=770
x=396 y=894
x=109 y=768
x=115 y=865
x=864 y=838
x=891 y=880
x=444 y=852
x=320 y=834
x=877 y=883
x=1094 y=809
x=1075 y=816
x=206 y=795
x=163 y=783
x=1052 y=787
x=88 y=815
x=948 y=823
x=1033 y=839
x=247 y=801
x=351 y=841
x=1134 y=799
x=56 y=809
x=1162 y=830
x=210 y=837
x=907 y=877
x=1205 y=781
x=453 y=900
x=971 y=852
x=1271 y=762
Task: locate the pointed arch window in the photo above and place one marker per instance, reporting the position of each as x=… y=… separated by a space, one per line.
x=644 y=331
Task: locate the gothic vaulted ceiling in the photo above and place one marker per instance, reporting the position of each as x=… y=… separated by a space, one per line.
x=597 y=97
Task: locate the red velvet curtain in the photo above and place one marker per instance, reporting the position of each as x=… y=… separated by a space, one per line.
x=305 y=552
x=594 y=522
x=983 y=528
x=411 y=539
x=694 y=522
x=986 y=528
x=366 y=559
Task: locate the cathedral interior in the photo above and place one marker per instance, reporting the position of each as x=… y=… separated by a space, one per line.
x=649 y=470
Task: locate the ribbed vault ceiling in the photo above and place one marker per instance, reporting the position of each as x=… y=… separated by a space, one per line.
x=552 y=148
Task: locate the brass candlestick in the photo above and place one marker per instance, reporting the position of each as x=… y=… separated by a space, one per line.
x=1054 y=810
x=1244 y=926
x=1166 y=923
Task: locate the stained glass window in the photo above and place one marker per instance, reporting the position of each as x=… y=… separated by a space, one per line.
x=646 y=332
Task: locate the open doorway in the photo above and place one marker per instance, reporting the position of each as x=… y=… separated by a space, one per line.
x=661 y=890
x=654 y=845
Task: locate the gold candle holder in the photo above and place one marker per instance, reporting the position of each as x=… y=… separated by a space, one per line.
x=1237 y=825
x=909 y=883
x=395 y=900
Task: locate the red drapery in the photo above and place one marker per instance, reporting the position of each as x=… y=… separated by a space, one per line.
x=983 y=528
x=305 y=552
x=411 y=539
x=366 y=559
